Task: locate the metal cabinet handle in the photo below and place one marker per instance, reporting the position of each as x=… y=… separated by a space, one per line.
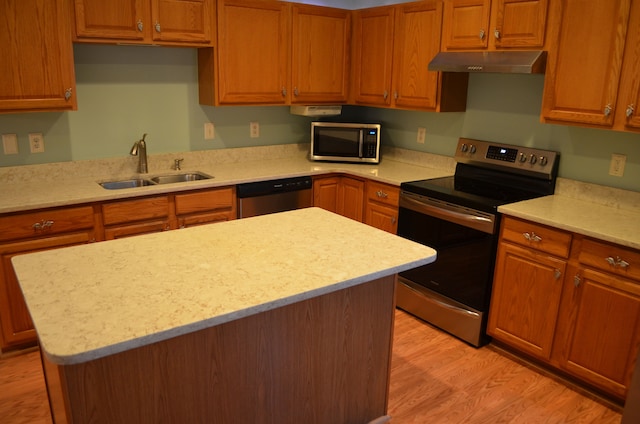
x=532 y=237
x=385 y=94
x=67 y=93
x=577 y=280
x=557 y=274
x=157 y=26
x=496 y=33
x=630 y=110
x=393 y=220
x=482 y=34
x=284 y=92
x=140 y=25
x=295 y=91
x=617 y=262
x=43 y=225
x=396 y=95
x=382 y=194
x=607 y=110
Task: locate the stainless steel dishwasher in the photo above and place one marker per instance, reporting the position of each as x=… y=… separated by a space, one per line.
x=272 y=196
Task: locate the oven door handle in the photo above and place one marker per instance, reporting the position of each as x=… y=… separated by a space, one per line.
x=448 y=212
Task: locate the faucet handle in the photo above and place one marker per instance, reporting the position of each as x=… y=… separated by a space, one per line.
x=176 y=164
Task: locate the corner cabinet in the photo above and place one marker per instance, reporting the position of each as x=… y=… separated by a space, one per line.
x=26 y=233
x=276 y=53
x=583 y=87
x=494 y=24
x=392 y=48
x=569 y=301
x=340 y=194
x=37 y=55
x=171 y=22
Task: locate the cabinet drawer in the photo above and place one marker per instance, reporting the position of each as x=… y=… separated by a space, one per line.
x=203 y=201
x=45 y=222
x=611 y=258
x=540 y=237
x=135 y=210
x=383 y=193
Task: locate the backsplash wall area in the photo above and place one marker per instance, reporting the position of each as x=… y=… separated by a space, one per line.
x=125 y=91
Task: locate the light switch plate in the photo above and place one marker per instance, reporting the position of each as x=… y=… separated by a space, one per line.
x=209 y=131
x=422 y=134
x=10 y=144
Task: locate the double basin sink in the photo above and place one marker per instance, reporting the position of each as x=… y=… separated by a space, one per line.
x=160 y=179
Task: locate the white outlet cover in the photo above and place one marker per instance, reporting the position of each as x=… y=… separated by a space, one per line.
x=209 y=131
x=616 y=167
x=36 y=142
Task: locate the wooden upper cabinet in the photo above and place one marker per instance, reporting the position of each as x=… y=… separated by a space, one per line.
x=321 y=40
x=253 y=54
x=393 y=46
x=173 y=22
x=584 y=67
x=37 y=55
x=373 y=55
x=628 y=109
x=497 y=24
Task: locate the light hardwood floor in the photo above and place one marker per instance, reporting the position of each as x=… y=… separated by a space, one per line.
x=435 y=378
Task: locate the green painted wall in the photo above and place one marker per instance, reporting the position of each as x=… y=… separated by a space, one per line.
x=125 y=91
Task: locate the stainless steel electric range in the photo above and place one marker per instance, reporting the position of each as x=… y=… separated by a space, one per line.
x=458 y=217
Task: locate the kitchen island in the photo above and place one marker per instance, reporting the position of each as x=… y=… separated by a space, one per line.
x=278 y=318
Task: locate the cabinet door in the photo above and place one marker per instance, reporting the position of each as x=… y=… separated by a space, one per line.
x=185 y=21
x=37 y=56
x=628 y=110
x=604 y=336
x=526 y=295
x=583 y=72
x=382 y=217
x=373 y=55
x=519 y=23
x=325 y=193
x=417 y=41
x=321 y=39
x=113 y=19
x=17 y=327
x=466 y=24
x=351 y=198
x=253 y=52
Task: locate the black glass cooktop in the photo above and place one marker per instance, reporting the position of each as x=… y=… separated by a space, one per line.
x=480 y=188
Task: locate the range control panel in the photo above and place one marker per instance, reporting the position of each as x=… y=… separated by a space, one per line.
x=518 y=159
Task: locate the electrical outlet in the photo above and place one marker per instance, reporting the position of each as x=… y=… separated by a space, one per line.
x=422 y=134
x=254 y=129
x=616 y=167
x=209 y=131
x=36 y=142
x=10 y=144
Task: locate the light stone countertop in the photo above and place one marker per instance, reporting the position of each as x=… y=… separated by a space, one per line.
x=94 y=300
x=603 y=213
x=62 y=184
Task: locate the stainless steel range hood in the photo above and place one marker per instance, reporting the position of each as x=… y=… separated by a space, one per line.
x=509 y=62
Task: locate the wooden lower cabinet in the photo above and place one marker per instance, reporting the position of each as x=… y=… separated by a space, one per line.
x=576 y=310
x=205 y=207
x=340 y=194
x=381 y=208
x=27 y=233
x=138 y=216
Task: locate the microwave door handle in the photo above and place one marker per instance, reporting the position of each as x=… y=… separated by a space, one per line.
x=360 y=142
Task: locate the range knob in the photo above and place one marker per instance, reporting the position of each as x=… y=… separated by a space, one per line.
x=523 y=157
x=472 y=149
x=543 y=160
x=464 y=148
x=533 y=159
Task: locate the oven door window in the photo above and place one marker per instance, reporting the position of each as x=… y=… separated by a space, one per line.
x=341 y=142
x=463 y=269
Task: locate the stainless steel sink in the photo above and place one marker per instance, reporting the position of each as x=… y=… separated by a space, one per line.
x=180 y=178
x=134 y=182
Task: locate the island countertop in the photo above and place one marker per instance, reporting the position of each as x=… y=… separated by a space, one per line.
x=95 y=300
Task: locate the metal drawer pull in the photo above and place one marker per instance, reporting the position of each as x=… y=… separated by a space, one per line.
x=382 y=194
x=617 y=262
x=532 y=237
x=42 y=225
x=557 y=274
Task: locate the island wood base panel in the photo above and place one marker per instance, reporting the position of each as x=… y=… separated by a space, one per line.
x=322 y=360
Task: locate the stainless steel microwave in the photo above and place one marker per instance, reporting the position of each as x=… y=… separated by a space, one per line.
x=345 y=142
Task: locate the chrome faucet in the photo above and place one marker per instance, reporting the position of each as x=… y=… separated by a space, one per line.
x=140 y=149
